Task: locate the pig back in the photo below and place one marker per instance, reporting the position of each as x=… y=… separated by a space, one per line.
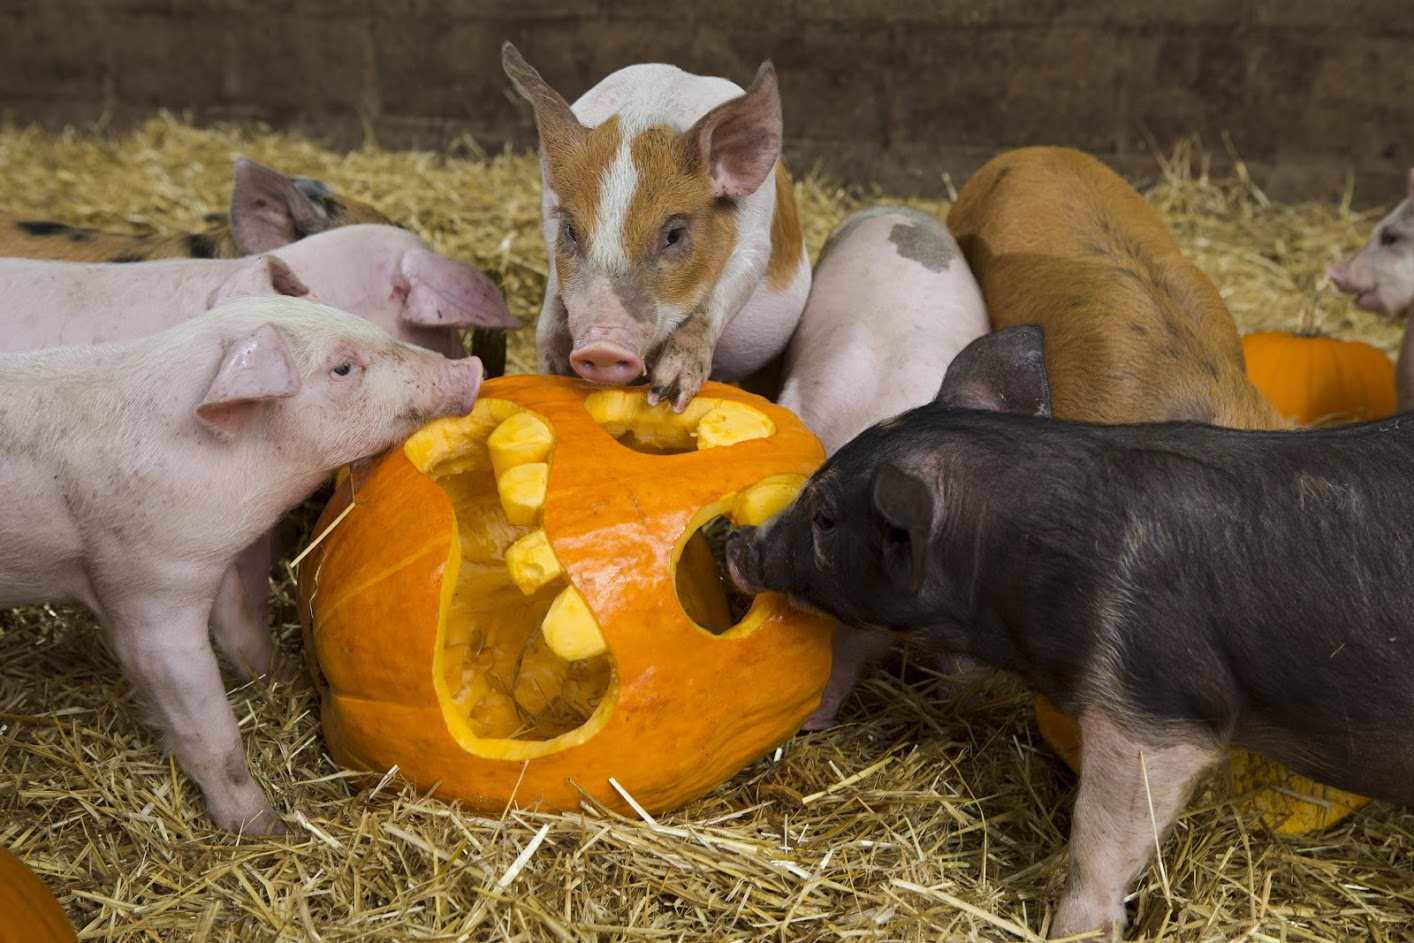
x=1135 y=332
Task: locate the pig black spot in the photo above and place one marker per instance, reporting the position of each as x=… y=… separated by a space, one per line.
x=1139 y=329
x=39 y=227
x=128 y=257
x=201 y=246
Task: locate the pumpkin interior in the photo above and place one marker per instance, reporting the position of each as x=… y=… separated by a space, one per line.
x=520 y=661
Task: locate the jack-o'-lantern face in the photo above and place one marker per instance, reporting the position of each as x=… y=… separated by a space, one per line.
x=525 y=602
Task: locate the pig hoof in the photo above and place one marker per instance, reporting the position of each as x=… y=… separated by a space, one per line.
x=262 y=823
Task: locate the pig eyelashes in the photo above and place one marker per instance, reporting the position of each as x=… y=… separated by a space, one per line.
x=674 y=238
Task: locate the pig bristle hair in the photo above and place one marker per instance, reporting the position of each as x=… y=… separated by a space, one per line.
x=920 y=817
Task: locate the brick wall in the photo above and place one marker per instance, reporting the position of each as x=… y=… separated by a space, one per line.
x=887 y=91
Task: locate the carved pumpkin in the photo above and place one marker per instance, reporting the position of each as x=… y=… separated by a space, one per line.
x=522 y=603
x=29 y=912
x=1320 y=380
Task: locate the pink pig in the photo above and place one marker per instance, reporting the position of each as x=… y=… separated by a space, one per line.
x=382 y=273
x=1381 y=277
x=136 y=472
x=891 y=303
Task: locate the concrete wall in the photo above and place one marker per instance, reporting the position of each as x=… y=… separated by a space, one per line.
x=885 y=91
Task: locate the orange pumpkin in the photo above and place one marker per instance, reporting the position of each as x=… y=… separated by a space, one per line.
x=521 y=603
x=1320 y=380
x=29 y=913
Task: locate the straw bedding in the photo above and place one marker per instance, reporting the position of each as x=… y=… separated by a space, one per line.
x=919 y=818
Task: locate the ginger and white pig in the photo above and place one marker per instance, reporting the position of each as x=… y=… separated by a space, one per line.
x=268 y=210
x=891 y=302
x=1381 y=277
x=382 y=273
x=675 y=246
x=134 y=473
x=1176 y=587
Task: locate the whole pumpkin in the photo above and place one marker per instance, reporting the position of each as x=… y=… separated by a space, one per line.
x=29 y=913
x=1316 y=380
x=523 y=603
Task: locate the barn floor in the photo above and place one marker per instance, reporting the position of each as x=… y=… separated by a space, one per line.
x=916 y=819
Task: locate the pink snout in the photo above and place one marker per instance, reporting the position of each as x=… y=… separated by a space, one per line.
x=1339 y=278
x=605 y=355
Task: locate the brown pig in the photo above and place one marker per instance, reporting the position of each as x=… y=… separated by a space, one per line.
x=1135 y=332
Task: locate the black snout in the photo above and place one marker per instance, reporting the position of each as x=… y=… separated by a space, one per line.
x=744 y=559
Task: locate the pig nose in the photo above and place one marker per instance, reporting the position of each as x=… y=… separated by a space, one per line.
x=470 y=374
x=1338 y=277
x=607 y=362
x=739 y=562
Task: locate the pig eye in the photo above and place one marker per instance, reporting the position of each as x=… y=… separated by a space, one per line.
x=342 y=370
x=1389 y=237
x=822 y=521
x=568 y=233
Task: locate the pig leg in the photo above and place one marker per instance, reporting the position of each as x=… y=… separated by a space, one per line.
x=163 y=649
x=254 y=566
x=851 y=651
x=1112 y=832
x=684 y=362
x=240 y=634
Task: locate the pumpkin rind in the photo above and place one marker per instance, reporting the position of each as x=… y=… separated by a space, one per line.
x=29 y=911
x=1313 y=379
x=685 y=709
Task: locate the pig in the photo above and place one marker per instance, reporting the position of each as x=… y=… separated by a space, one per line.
x=891 y=302
x=135 y=473
x=382 y=273
x=675 y=245
x=1141 y=576
x=1381 y=277
x=1135 y=331
x=268 y=210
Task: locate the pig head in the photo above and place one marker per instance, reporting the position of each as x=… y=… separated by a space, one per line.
x=665 y=212
x=392 y=278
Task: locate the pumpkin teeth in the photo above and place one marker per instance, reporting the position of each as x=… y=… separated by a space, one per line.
x=569 y=628
x=765 y=499
x=522 y=490
x=728 y=423
x=521 y=439
x=532 y=562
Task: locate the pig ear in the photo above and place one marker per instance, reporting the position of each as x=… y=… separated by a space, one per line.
x=905 y=502
x=443 y=292
x=269 y=210
x=739 y=141
x=558 y=127
x=267 y=275
x=1004 y=371
x=254 y=369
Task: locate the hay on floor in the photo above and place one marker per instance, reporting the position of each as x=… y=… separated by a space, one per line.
x=954 y=831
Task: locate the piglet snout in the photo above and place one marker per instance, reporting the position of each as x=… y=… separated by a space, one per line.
x=1338 y=277
x=744 y=560
x=606 y=355
x=467 y=376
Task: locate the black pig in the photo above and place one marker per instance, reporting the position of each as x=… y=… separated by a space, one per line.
x=1176 y=587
